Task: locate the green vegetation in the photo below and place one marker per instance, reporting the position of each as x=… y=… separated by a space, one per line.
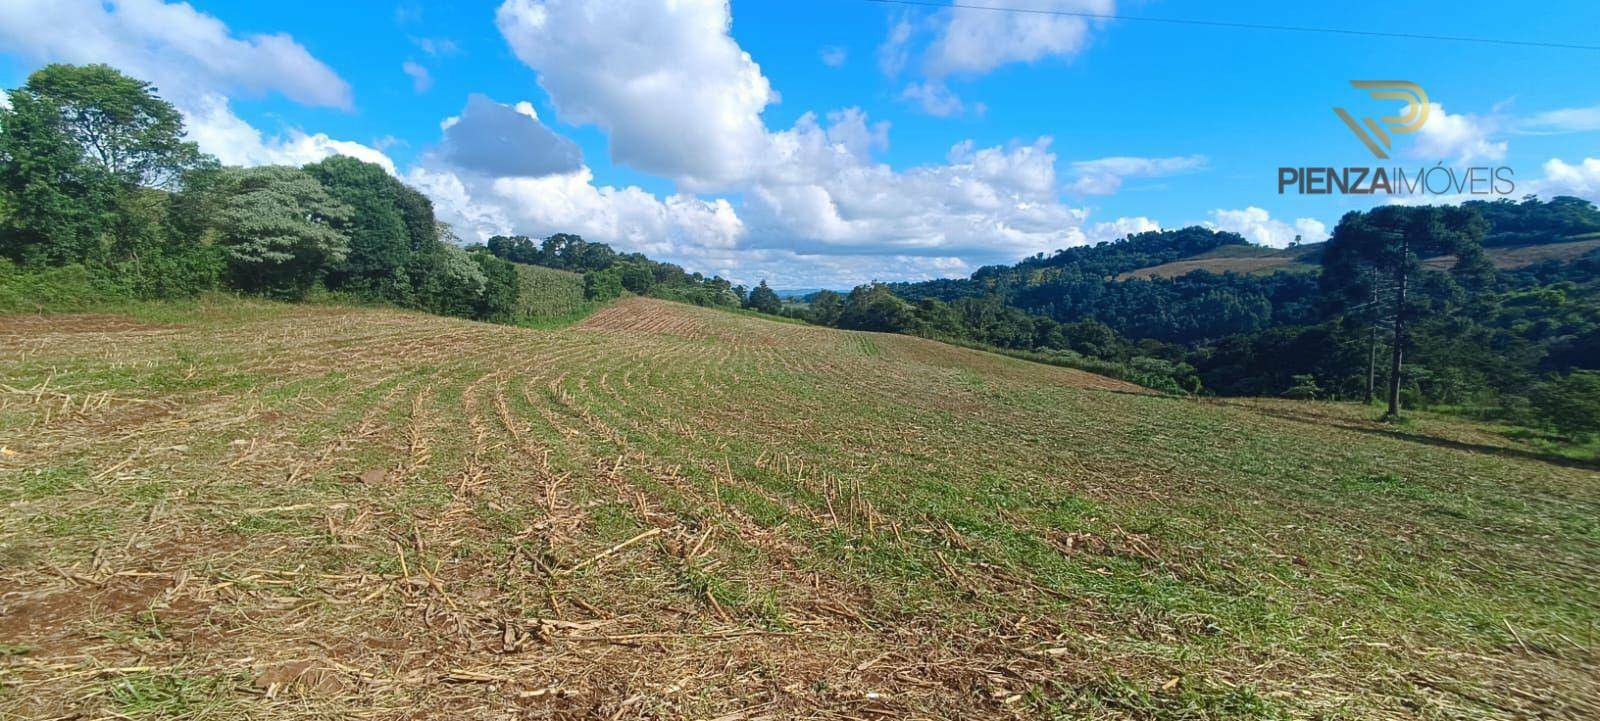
x=608 y=274
x=546 y=294
x=101 y=201
x=1495 y=343
x=385 y=509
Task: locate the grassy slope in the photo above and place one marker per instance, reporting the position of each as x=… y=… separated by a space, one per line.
x=257 y=510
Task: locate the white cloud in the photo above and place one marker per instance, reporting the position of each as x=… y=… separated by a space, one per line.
x=834 y=56
x=195 y=62
x=1120 y=228
x=680 y=98
x=213 y=125
x=970 y=41
x=675 y=93
x=5 y=100
x=1581 y=179
x=973 y=41
x=1258 y=226
x=895 y=52
x=1461 y=139
x=1105 y=175
x=421 y=81
x=1565 y=120
x=630 y=218
x=505 y=141
x=185 y=52
x=934 y=97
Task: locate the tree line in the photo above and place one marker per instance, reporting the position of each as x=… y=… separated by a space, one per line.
x=1402 y=306
x=97 y=184
x=608 y=273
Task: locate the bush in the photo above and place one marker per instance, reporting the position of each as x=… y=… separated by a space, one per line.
x=34 y=289
x=1570 y=404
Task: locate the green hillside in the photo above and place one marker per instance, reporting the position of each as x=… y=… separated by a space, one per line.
x=228 y=509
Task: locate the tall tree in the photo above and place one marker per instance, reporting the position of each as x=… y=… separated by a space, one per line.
x=119 y=122
x=764 y=299
x=1378 y=254
x=59 y=207
x=280 y=230
x=381 y=242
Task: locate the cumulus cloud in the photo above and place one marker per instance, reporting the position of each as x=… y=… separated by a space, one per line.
x=506 y=141
x=1120 y=228
x=680 y=98
x=674 y=92
x=218 y=131
x=675 y=227
x=1105 y=175
x=1258 y=226
x=437 y=47
x=1462 y=139
x=1581 y=179
x=421 y=80
x=183 y=51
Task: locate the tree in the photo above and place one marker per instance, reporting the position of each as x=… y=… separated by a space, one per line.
x=120 y=124
x=1570 y=403
x=1379 y=253
x=600 y=285
x=763 y=299
x=446 y=279
x=498 y=303
x=280 y=230
x=825 y=308
x=874 y=307
x=59 y=207
x=86 y=157
x=381 y=242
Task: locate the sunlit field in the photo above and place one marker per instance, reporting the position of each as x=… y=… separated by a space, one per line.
x=230 y=509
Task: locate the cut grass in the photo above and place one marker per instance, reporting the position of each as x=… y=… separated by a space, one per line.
x=676 y=512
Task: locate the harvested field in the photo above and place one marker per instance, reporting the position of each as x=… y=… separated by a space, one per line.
x=673 y=512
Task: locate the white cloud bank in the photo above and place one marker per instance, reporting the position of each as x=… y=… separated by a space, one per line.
x=1258 y=226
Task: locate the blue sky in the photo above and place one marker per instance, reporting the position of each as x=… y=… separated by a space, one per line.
x=836 y=141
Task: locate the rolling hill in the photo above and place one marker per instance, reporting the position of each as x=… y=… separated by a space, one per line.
x=1250 y=259
x=232 y=509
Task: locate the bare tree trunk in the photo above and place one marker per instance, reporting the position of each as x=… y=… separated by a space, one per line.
x=1399 y=331
x=1372 y=351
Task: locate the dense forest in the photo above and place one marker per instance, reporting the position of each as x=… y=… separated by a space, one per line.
x=1521 y=344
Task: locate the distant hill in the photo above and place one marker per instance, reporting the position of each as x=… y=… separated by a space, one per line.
x=800 y=293
x=1241 y=259
x=1255 y=259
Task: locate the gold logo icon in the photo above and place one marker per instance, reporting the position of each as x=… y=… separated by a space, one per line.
x=1409 y=121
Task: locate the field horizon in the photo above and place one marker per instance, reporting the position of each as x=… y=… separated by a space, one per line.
x=242 y=508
